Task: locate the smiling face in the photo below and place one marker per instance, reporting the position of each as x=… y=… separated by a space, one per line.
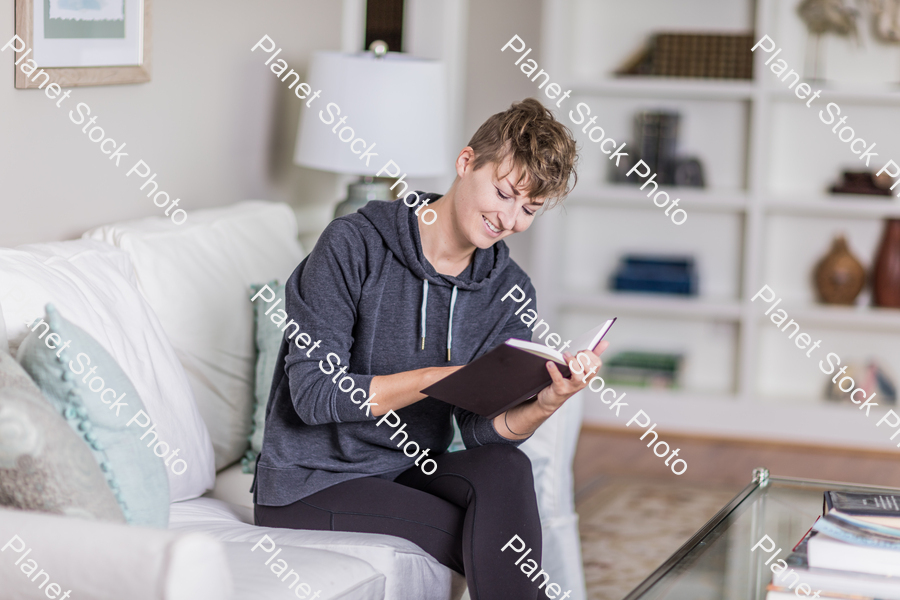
x=489 y=206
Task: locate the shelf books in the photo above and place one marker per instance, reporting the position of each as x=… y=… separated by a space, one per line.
x=656 y=138
x=725 y=56
x=656 y=274
x=845 y=556
x=643 y=369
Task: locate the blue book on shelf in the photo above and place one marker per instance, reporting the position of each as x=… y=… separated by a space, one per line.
x=661 y=275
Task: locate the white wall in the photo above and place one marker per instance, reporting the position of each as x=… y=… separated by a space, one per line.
x=493 y=82
x=212 y=122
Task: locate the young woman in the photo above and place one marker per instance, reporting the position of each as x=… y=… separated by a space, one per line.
x=393 y=305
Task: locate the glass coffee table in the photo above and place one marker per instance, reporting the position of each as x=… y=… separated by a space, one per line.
x=717 y=564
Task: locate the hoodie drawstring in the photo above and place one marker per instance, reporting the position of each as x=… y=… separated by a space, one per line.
x=453 y=295
x=450 y=324
x=424 y=304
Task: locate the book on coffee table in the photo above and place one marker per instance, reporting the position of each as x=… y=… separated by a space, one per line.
x=831 y=582
x=880 y=509
x=509 y=374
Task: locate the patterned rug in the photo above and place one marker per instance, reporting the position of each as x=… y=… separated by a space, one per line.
x=630 y=527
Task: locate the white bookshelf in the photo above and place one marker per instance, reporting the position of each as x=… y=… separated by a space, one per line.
x=764 y=218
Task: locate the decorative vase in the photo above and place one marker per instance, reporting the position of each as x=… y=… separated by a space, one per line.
x=886 y=272
x=839 y=276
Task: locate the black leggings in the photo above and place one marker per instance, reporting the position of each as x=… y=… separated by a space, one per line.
x=462 y=515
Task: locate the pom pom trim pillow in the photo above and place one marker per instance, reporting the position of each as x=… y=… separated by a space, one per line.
x=105 y=410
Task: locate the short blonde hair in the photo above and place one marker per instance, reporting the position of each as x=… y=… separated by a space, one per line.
x=540 y=146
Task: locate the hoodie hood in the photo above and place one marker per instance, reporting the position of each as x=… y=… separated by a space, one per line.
x=397 y=224
x=398 y=227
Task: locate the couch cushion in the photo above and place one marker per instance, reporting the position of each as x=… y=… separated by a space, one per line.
x=327 y=575
x=233 y=487
x=196 y=277
x=411 y=573
x=107 y=561
x=44 y=465
x=136 y=474
x=93 y=284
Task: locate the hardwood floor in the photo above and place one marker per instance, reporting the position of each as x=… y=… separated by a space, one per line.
x=612 y=453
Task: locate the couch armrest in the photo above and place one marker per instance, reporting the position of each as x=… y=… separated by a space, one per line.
x=106 y=561
x=552 y=450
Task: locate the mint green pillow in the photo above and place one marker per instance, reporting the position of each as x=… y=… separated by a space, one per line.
x=457 y=443
x=268 y=342
x=135 y=474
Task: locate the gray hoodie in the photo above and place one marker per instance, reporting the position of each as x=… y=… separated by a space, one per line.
x=370 y=295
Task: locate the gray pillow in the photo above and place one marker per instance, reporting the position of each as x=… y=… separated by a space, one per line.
x=44 y=465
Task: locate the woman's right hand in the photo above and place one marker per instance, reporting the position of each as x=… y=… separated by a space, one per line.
x=393 y=392
x=441 y=372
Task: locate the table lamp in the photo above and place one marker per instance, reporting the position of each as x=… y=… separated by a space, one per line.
x=384 y=103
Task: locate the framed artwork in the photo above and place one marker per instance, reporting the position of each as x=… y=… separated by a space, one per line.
x=85 y=42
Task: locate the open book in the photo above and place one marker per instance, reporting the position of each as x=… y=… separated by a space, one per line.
x=509 y=374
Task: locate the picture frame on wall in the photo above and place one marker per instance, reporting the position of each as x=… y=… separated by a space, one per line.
x=84 y=42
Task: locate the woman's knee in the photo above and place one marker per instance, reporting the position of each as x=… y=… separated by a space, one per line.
x=506 y=460
x=507 y=452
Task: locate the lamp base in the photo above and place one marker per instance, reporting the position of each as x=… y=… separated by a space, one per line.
x=359 y=193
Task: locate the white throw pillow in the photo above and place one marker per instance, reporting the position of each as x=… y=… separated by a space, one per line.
x=92 y=285
x=4 y=345
x=196 y=277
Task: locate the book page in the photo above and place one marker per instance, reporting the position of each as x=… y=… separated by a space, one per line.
x=590 y=339
x=537 y=349
x=586 y=341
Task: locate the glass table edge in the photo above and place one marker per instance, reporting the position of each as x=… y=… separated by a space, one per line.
x=829 y=483
x=720 y=516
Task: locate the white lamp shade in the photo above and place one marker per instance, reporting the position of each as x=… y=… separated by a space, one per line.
x=397 y=103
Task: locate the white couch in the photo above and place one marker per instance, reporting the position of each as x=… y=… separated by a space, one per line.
x=184 y=290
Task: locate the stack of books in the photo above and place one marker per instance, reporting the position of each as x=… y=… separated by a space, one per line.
x=656 y=143
x=851 y=552
x=656 y=140
x=656 y=274
x=719 y=56
x=643 y=369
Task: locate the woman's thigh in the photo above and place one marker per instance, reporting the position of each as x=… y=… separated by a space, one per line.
x=495 y=486
x=373 y=505
x=495 y=471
